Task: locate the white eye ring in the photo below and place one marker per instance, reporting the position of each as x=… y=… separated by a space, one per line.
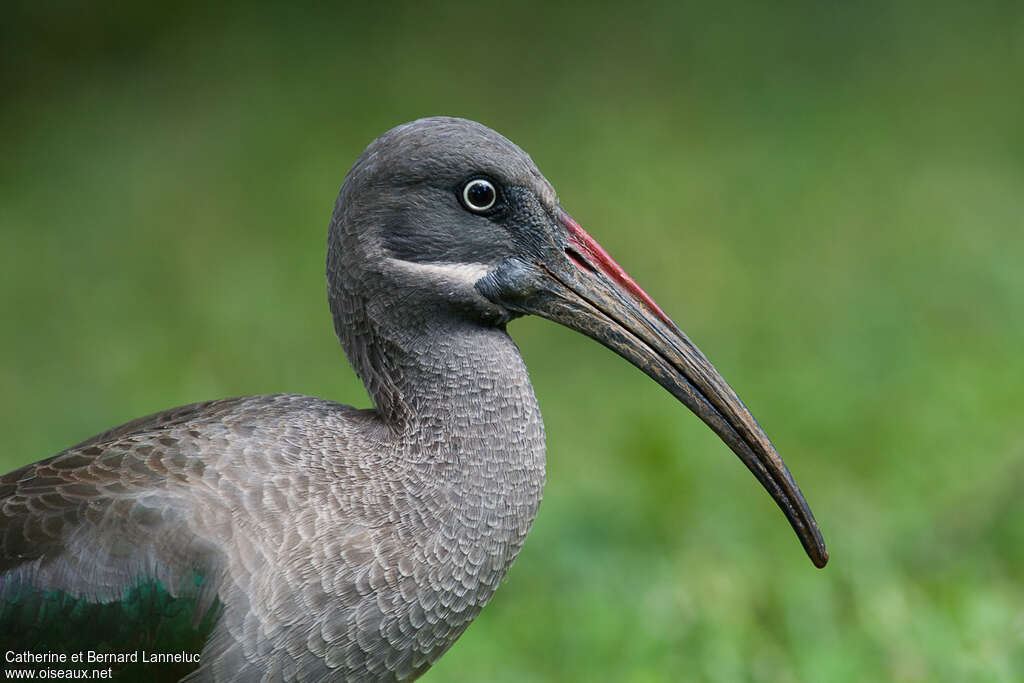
x=479 y=195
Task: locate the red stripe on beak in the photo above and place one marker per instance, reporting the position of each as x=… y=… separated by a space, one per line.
x=588 y=247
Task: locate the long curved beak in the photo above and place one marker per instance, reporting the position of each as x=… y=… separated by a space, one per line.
x=584 y=289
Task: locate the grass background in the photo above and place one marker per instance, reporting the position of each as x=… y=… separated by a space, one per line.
x=829 y=198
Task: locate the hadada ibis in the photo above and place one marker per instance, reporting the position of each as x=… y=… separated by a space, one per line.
x=289 y=538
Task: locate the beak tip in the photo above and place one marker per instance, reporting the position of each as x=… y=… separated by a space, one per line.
x=818 y=554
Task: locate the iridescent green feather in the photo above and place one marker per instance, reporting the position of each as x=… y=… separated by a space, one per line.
x=148 y=619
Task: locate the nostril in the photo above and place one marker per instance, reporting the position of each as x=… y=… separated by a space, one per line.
x=578 y=259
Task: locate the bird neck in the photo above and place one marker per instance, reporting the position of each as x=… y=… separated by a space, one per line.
x=437 y=375
x=467 y=438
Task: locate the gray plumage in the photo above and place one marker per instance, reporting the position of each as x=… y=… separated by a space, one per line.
x=336 y=543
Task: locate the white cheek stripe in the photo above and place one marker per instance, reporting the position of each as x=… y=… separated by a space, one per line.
x=465 y=273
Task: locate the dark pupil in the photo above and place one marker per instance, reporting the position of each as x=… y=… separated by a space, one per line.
x=480 y=195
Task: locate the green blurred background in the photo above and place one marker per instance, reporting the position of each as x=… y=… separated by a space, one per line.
x=828 y=198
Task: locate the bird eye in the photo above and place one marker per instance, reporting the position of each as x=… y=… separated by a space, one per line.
x=479 y=195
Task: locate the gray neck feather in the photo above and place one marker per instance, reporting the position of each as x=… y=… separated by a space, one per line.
x=436 y=372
